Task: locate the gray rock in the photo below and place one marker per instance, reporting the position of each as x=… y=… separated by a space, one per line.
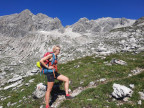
x=91 y=83
x=20 y=101
x=102 y=79
x=136 y=71
x=81 y=82
x=8 y=104
x=129 y=75
x=26 y=84
x=85 y=76
x=126 y=99
x=139 y=102
x=34 y=70
x=141 y=95
x=69 y=90
x=76 y=66
x=121 y=91
x=40 y=91
x=13 y=103
x=132 y=86
x=13 y=85
x=15 y=78
x=31 y=80
x=118 y=61
x=90 y=99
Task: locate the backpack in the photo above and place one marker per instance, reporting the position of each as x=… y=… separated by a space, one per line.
x=39 y=65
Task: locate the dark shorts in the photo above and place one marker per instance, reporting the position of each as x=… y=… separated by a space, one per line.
x=50 y=76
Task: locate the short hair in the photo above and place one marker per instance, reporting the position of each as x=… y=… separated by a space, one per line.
x=54 y=48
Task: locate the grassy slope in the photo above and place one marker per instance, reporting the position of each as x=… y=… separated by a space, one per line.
x=100 y=94
x=94 y=71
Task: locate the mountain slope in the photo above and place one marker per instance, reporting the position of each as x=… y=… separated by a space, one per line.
x=82 y=72
x=25 y=38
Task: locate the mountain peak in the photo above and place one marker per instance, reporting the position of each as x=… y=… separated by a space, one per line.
x=26 y=11
x=83 y=19
x=139 y=21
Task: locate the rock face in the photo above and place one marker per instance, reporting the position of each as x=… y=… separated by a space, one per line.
x=121 y=91
x=21 y=24
x=99 y=25
x=25 y=37
x=139 y=22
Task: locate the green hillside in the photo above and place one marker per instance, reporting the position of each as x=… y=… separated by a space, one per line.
x=85 y=70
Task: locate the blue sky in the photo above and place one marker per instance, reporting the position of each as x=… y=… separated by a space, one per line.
x=70 y=12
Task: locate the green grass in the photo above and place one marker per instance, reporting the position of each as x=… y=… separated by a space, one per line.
x=100 y=95
x=94 y=71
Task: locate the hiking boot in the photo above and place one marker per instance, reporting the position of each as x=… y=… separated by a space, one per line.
x=69 y=97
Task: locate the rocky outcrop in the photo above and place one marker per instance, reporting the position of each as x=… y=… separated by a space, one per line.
x=15 y=78
x=13 y=85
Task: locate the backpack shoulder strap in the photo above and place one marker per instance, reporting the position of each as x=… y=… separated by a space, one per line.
x=53 y=58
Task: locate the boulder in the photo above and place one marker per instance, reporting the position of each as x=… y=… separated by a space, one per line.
x=91 y=83
x=141 y=95
x=139 y=102
x=132 y=86
x=121 y=91
x=118 y=61
x=40 y=91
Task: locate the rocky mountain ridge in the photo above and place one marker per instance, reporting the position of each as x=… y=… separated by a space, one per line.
x=25 y=37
